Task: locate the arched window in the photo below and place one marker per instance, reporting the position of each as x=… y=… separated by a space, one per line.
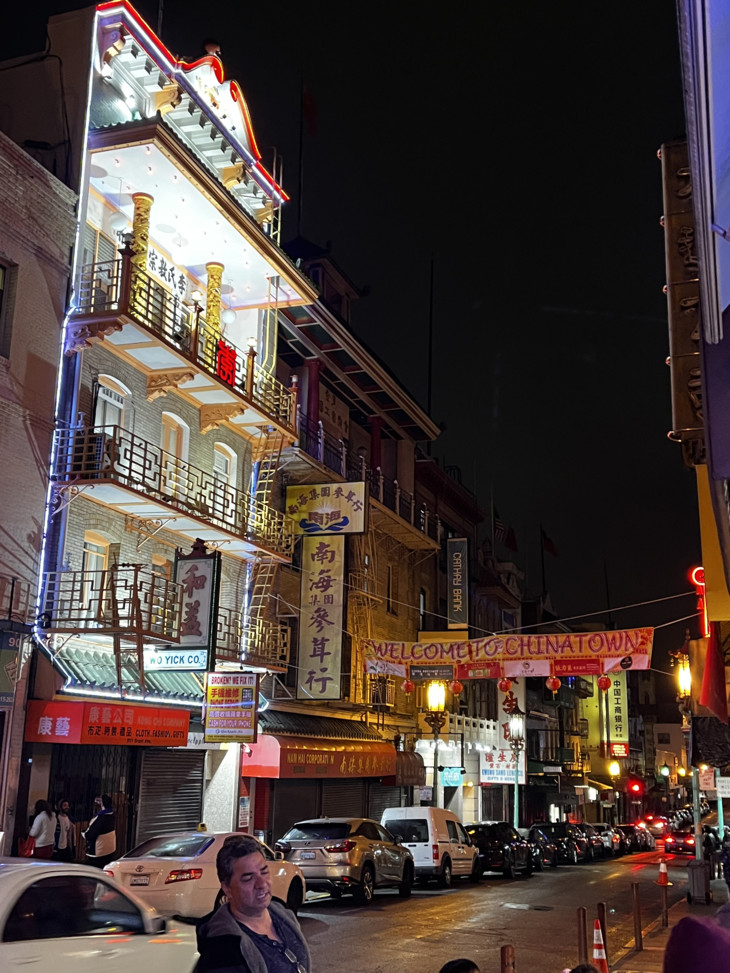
x=112 y=402
x=225 y=463
x=175 y=439
x=94 y=562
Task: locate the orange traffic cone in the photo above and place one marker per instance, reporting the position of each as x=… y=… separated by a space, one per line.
x=599 y=951
x=663 y=873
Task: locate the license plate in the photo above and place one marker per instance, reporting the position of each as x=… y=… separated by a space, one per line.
x=140 y=880
x=307 y=854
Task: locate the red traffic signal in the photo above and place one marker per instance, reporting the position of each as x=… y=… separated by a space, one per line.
x=635 y=786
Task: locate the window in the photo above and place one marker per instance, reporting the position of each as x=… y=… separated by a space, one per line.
x=98 y=253
x=224 y=464
x=175 y=445
x=111 y=402
x=453 y=833
x=663 y=739
x=7 y=296
x=95 y=559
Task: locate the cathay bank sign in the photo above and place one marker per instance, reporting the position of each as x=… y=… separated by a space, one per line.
x=166 y=659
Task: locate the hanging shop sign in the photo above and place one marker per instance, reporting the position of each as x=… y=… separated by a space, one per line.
x=166 y=658
x=442 y=673
x=198 y=575
x=109 y=724
x=621 y=650
x=310 y=758
x=321 y=600
x=616 y=724
x=231 y=710
x=498 y=766
x=331 y=508
x=457 y=560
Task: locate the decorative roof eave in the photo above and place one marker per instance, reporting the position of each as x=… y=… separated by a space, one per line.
x=422 y=427
x=120 y=12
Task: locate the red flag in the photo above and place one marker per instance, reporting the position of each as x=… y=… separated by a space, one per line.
x=547 y=544
x=713 y=694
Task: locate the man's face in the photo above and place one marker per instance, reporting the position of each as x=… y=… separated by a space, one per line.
x=249 y=891
x=64 y=807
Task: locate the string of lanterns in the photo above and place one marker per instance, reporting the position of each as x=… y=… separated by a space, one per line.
x=553 y=683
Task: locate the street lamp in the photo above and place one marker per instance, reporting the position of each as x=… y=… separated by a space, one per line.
x=517 y=745
x=665 y=771
x=435 y=719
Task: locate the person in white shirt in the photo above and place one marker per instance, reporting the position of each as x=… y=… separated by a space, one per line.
x=43 y=830
x=65 y=843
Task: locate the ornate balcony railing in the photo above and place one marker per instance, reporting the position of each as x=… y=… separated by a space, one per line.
x=127 y=599
x=16 y=604
x=257 y=641
x=334 y=454
x=112 y=454
x=115 y=289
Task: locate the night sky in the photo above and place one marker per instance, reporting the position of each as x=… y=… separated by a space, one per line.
x=519 y=151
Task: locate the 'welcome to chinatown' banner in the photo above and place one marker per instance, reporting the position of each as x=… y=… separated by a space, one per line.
x=561 y=654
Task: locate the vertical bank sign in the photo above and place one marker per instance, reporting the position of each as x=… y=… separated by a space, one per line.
x=618 y=716
x=458 y=582
x=321 y=601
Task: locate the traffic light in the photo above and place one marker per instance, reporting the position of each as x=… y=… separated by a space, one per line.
x=635 y=786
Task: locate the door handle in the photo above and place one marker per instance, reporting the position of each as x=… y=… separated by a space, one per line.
x=26 y=960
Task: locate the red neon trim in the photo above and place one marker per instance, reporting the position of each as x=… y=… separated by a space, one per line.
x=211 y=59
x=237 y=96
x=697 y=577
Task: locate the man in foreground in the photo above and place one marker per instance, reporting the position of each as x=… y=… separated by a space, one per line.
x=250 y=932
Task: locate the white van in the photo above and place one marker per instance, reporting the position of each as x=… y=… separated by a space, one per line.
x=436 y=838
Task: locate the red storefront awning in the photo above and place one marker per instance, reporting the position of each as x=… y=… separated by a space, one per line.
x=312 y=757
x=410 y=770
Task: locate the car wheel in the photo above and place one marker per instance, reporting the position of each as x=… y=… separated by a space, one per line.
x=539 y=864
x=406 y=886
x=220 y=900
x=476 y=870
x=554 y=860
x=573 y=856
x=445 y=876
x=365 y=890
x=589 y=854
x=295 y=897
x=509 y=868
x=529 y=868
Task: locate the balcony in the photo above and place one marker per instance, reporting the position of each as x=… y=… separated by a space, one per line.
x=129 y=308
x=423 y=529
x=126 y=600
x=381 y=692
x=255 y=641
x=113 y=466
x=17 y=604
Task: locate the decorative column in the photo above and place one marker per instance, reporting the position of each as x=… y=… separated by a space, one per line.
x=213 y=311
x=139 y=246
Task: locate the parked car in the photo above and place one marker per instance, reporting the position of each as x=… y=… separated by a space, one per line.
x=176 y=873
x=612 y=841
x=436 y=838
x=501 y=848
x=355 y=855
x=544 y=849
x=60 y=917
x=594 y=839
x=656 y=824
x=680 y=842
x=572 y=844
x=635 y=837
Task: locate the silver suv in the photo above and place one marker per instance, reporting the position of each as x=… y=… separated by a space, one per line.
x=355 y=855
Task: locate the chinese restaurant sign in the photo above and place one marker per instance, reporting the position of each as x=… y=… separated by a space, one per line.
x=458 y=582
x=497 y=763
x=301 y=757
x=321 y=603
x=618 y=716
x=231 y=707
x=106 y=723
x=198 y=575
x=578 y=653
x=333 y=508
x=166 y=271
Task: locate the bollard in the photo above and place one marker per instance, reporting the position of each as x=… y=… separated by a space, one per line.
x=665 y=911
x=582 y=936
x=507 y=960
x=638 y=936
x=601 y=913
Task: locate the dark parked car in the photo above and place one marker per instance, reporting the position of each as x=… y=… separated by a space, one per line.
x=572 y=844
x=501 y=848
x=680 y=842
x=594 y=839
x=613 y=842
x=635 y=837
x=544 y=849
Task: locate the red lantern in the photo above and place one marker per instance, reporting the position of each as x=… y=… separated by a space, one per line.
x=504 y=685
x=456 y=687
x=407 y=686
x=604 y=683
x=553 y=684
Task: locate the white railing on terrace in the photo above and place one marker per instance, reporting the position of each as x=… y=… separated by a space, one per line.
x=110 y=453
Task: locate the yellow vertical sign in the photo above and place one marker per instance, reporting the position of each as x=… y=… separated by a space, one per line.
x=320 y=617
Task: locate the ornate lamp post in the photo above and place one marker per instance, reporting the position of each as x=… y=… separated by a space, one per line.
x=517 y=745
x=665 y=772
x=435 y=719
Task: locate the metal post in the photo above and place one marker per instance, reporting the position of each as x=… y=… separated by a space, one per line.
x=696 y=813
x=507 y=959
x=720 y=809
x=638 y=936
x=582 y=936
x=435 y=769
x=601 y=913
x=516 y=805
x=665 y=908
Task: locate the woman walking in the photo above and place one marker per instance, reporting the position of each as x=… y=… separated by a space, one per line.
x=43 y=830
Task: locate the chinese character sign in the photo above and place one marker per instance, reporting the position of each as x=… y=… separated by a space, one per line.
x=331 y=508
x=617 y=712
x=105 y=722
x=231 y=701
x=497 y=763
x=199 y=578
x=320 y=617
x=162 y=268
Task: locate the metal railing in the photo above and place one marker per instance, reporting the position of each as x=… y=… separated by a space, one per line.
x=257 y=641
x=381 y=691
x=117 y=287
x=126 y=599
x=110 y=453
x=334 y=454
x=16 y=602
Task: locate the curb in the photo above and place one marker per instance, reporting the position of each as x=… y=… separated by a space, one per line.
x=631 y=951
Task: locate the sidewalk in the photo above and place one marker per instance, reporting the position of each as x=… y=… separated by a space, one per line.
x=651 y=958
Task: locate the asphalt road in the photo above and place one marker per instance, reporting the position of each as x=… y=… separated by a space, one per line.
x=536 y=915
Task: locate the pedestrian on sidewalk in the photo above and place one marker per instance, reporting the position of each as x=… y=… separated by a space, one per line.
x=459 y=966
x=697 y=944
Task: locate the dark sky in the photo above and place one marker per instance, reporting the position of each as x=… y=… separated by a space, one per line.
x=517 y=145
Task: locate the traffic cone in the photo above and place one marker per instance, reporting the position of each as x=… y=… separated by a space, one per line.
x=599 y=951
x=663 y=874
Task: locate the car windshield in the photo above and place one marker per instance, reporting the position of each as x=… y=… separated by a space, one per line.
x=172 y=846
x=555 y=830
x=409 y=829
x=308 y=830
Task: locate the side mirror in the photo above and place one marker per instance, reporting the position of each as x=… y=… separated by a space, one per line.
x=282 y=847
x=279 y=856
x=397 y=839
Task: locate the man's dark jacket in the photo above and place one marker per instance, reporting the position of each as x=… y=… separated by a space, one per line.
x=225 y=948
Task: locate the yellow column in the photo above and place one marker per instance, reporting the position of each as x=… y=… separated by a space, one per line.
x=141 y=229
x=213 y=310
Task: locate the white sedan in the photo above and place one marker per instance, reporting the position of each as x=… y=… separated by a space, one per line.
x=74 y=919
x=176 y=873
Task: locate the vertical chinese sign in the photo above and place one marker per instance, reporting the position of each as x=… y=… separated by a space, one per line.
x=320 y=619
x=231 y=707
x=198 y=575
x=458 y=582
x=617 y=721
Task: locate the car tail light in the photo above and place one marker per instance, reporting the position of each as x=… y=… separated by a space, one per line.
x=668 y=840
x=435 y=852
x=658 y=824
x=184 y=875
x=341 y=846
x=690 y=841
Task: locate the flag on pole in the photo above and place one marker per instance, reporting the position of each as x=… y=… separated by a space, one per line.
x=713 y=692
x=547 y=544
x=500 y=530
